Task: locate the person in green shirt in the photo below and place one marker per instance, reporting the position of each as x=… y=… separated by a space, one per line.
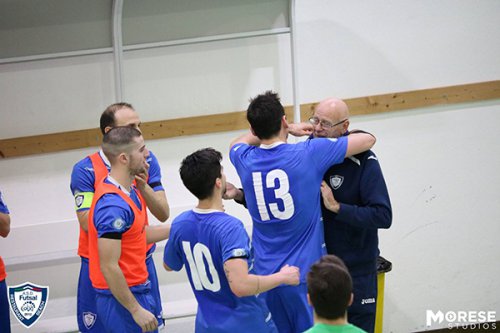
x=329 y=291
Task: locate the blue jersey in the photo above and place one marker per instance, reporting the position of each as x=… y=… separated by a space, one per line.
x=83 y=179
x=3 y=206
x=203 y=240
x=282 y=190
x=112 y=214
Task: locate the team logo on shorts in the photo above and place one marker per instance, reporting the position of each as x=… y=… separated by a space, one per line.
x=79 y=200
x=89 y=319
x=27 y=302
x=336 y=181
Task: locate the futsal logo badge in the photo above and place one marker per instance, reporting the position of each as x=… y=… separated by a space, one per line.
x=336 y=181
x=79 y=200
x=27 y=302
x=89 y=319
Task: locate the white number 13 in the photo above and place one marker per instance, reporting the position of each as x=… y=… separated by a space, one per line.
x=281 y=192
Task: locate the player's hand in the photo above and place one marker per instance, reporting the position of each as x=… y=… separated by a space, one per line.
x=232 y=192
x=290 y=274
x=145 y=319
x=300 y=129
x=141 y=179
x=328 y=198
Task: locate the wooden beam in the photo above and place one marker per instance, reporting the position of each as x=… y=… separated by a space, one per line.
x=398 y=101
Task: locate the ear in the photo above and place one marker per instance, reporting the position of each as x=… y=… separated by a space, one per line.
x=346 y=125
x=352 y=299
x=284 y=122
x=107 y=129
x=309 y=299
x=218 y=182
x=123 y=158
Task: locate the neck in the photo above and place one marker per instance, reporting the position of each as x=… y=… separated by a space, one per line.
x=281 y=136
x=337 y=321
x=213 y=202
x=125 y=179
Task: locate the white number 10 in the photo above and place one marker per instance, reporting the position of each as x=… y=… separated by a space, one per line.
x=199 y=274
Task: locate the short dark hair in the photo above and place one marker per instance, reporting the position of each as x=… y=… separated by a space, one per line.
x=118 y=140
x=329 y=285
x=200 y=170
x=264 y=115
x=108 y=116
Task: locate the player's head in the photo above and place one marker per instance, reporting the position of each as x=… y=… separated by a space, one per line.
x=119 y=115
x=330 y=119
x=265 y=114
x=329 y=287
x=125 y=146
x=201 y=172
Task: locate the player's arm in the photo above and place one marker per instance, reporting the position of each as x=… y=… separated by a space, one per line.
x=83 y=219
x=300 y=129
x=4 y=224
x=109 y=254
x=82 y=187
x=156 y=201
x=157 y=233
x=248 y=138
x=358 y=142
x=237 y=194
x=243 y=284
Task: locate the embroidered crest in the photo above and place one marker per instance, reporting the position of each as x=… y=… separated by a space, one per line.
x=118 y=224
x=336 y=181
x=89 y=319
x=79 y=200
x=27 y=302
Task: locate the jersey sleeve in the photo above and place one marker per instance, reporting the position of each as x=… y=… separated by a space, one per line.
x=235 y=241
x=236 y=152
x=374 y=209
x=154 y=179
x=112 y=215
x=327 y=152
x=172 y=256
x=3 y=207
x=82 y=184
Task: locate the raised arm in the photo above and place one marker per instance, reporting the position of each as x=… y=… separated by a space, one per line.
x=243 y=284
x=358 y=142
x=249 y=138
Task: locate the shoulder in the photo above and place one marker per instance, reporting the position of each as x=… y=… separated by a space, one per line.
x=84 y=165
x=108 y=200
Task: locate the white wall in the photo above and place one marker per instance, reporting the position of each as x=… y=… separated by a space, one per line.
x=441 y=164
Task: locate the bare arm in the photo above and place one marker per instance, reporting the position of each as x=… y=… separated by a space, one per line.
x=248 y=138
x=358 y=142
x=156 y=201
x=244 y=284
x=156 y=233
x=4 y=224
x=83 y=219
x=300 y=129
x=109 y=254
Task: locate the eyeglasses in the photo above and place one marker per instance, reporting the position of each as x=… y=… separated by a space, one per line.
x=325 y=124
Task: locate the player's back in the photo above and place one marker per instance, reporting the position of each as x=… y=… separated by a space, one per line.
x=281 y=184
x=205 y=240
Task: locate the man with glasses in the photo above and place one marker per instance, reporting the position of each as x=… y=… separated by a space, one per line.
x=355 y=205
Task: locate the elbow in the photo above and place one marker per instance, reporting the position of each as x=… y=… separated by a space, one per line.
x=386 y=220
x=239 y=290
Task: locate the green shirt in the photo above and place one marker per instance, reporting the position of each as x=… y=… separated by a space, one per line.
x=324 y=328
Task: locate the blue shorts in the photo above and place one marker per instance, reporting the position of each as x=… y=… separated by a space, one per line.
x=363 y=310
x=117 y=319
x=86 y=311
x=289 y=308
x=155 y=289
x=4 y=308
